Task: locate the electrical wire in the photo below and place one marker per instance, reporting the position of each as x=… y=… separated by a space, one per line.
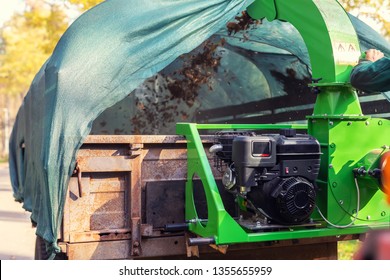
x=356 y=215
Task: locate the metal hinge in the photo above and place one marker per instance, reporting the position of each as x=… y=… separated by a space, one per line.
x=77 y=170
x=135 y=149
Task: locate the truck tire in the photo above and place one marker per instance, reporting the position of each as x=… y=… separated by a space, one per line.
x=41 y=253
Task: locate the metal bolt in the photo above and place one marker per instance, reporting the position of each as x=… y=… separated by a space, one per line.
x=332 y=145
x=136 y=252
x=341 y=202
x=383 y=213
x=330 y=123
x=368 y=217
x=367 y=123
x=334 y=184
x=330 y=166
x=136 y=244
x=380 y=123
x=349 y=123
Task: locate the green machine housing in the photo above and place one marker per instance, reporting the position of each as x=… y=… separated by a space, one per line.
x=349 y=199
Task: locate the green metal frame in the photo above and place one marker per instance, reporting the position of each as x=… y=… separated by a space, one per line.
x=348 y=138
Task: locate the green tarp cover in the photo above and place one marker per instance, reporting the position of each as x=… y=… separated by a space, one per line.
x=108 y=53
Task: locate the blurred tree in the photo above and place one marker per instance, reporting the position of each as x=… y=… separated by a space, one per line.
x=28 y=41
x=375 y=11
x=85 y=4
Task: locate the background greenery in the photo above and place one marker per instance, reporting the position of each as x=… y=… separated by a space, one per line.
x=346 y=249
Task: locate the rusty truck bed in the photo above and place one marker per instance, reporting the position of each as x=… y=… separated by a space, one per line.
x=128 y=188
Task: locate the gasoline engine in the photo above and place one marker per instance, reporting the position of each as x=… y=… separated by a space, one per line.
x=272 y=175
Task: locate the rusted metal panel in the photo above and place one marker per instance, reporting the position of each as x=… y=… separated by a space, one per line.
x=104 y=164
x=135 y=206
x=101 y=150
x=164 y=203
x=101 y=183
x=107 y=139
x=99 y=250
x=164 y=170
x=104 y=203
x=157 y=153
x=131 y=187
x=174 y=247
x=147 y=230
x=110 y=220
x=79 y=212
x=152 y=247
x=152 y=139
x=106 y=235
x=107 y=202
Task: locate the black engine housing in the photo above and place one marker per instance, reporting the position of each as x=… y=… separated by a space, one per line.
x=274 y=173
x=285 y=200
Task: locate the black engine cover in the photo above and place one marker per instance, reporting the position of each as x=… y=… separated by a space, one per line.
x=276 y=174
x=285 y=200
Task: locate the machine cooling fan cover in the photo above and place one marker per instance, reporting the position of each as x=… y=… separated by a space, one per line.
x=296 y=200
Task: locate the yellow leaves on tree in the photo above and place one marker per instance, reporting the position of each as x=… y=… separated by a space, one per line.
x=377 y=12
x=85 y=4
x=28 y=41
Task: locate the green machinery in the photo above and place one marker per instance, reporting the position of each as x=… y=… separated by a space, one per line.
x=349 y=186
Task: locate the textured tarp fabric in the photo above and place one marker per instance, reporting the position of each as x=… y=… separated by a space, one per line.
x=103 y=56
x=106 y=54
x=252 y=65
x=266 y=61
x=372 y=76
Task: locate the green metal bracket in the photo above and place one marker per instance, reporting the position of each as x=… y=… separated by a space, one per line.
x=219 y=225
x=349 y=143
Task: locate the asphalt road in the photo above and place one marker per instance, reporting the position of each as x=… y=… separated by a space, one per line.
x=17 y=237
